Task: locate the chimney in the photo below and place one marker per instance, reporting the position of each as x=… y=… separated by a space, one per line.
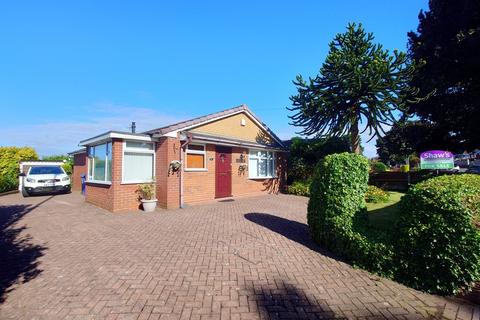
x=133 y=127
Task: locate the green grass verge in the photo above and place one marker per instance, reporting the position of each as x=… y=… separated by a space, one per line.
x=383 y=216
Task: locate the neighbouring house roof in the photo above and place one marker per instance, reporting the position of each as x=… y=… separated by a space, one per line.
x=115 y=134
x=187 y=124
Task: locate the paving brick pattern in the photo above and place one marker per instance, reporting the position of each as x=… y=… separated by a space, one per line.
x=245 y=259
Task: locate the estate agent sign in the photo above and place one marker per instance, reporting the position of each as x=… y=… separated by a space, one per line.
x=436 y=159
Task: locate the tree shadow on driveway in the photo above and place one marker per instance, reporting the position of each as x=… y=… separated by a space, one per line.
x=18 y=255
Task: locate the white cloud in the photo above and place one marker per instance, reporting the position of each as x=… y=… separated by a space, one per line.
x=62 y=136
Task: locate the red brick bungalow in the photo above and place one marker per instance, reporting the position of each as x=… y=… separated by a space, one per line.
x=230 y=153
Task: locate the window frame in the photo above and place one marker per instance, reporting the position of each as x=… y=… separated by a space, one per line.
x=126 y=149
x=274 y=164
x=91 y=163
x=204 y=153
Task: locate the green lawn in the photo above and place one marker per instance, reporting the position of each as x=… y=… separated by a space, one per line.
x=383 y=216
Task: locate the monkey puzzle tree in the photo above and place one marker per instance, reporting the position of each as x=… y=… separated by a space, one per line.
x=358 y=82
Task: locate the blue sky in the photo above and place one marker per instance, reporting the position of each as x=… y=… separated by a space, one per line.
x=72 y=69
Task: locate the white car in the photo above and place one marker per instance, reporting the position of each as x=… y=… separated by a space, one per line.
x=45 y=179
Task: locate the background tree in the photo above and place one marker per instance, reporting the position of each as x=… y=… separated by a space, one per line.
x=359 y=81
x=305 y=153
x=403 y=140
x=448 y=42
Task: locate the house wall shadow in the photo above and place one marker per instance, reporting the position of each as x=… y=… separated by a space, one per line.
x=18 y=255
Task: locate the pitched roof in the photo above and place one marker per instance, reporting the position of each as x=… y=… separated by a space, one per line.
x=212 y=117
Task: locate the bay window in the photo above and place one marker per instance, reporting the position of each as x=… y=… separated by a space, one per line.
x=138 y=162
x=195 y=155
x=261 y=164
x=100 y=163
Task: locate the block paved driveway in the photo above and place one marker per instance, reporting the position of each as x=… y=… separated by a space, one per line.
x=251 y=258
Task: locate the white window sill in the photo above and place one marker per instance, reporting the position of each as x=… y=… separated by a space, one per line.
x=195 y=170
x=262 y=178
x=137 y=182
x=108 y=183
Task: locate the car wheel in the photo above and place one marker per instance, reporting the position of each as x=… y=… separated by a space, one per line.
x=25 y=193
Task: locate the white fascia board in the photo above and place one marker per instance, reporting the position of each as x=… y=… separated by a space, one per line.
x=112 y=135
x=245 y=145
x=173 y=134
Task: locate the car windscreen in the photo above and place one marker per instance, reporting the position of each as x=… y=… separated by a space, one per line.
x=46 y=170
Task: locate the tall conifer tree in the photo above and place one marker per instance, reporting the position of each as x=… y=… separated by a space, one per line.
x=359 y=82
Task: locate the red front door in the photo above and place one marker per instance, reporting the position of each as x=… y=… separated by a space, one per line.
x=223 y=172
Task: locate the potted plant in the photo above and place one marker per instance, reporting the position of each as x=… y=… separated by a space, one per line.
x=147 y=196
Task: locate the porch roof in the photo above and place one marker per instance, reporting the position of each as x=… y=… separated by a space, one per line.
x=115 y=134
x=228 y=141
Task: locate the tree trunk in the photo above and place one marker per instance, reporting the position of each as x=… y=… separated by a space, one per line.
x=355 y=137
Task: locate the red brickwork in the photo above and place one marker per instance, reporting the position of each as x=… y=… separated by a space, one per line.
x=168 y=183
x=79 y=167
x=200 y=186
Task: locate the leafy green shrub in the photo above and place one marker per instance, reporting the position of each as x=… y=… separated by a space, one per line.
x=438 y=244
x=337 y=211
x=299 y=188
x=10 y=158
x=404 y=168
x=376 y=195
x=378 y=166
x=8 y=183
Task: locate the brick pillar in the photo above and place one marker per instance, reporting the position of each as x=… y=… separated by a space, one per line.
x=168 y=183
x=79 y=168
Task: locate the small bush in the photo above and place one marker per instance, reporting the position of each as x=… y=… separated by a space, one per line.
x=337 y=211
x=299 y=188
x=438 y=244
x=379 y=166
x=376 y=195
x=146 y=191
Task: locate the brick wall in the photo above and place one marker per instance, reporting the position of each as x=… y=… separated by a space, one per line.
x=79 y=168
x=168 y=183
x=200 y=186
x=115 y=197
x=126 y=197
x=100 y=195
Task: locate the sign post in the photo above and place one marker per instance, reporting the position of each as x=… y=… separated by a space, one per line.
x=436 y=159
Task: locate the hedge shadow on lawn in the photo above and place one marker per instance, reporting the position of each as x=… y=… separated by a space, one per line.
x=18 y=255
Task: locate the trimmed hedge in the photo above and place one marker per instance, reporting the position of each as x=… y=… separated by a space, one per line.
x=376 y=195
x=337 y=214
x=299 y=188
x=438 y=243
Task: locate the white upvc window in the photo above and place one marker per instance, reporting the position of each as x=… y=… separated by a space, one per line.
x=261 y=164
x=100 y=163
x=196 y=157
x=138 y=162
